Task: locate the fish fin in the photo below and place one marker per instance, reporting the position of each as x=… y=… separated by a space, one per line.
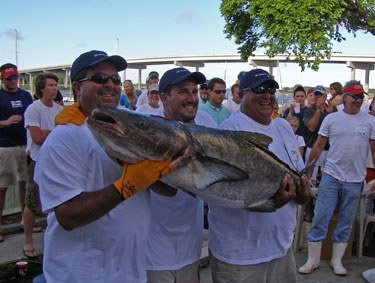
x=267 y=206
x=260 y=140
x=212 y=170
x=308 y=169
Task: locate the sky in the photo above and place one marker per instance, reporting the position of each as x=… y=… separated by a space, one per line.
x=52 y=32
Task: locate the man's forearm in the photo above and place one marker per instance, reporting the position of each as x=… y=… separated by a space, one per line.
x=313 y=123
x=87 y=207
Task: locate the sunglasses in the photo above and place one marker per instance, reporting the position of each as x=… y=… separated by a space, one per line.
x=261 y=89
x=203 y=87
x=356 y=96
x=154 y=77
x=218 y=91
x=14 y=77
x=100 y=78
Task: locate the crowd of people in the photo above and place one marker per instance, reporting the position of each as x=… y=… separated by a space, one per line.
x=116 y=222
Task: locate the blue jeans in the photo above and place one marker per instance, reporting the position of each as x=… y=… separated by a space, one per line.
x=330 y=190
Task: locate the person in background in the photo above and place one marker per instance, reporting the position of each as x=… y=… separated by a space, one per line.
x=98 y=211
x=129 y=98
x=153 y=106
x=247 y=246
x=203 y=93
x=233 y=104
x=153 y=78
x=275 y=111
x=13 y=165
x=310 y=97
x=214 y=106
x=39 y=122
x=59 y=98
x=176 y=234
x=294 y=123
x=344 y=173
x=335 y=89
x=297 y=109
x=364 y=107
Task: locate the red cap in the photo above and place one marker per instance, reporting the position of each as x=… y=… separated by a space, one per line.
x=354 y=89
x=311 y=90
x=6 y=73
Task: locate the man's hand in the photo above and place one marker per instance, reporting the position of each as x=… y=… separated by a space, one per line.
x=14 y=119
x=137 y=177
x=283 y=196
x=320 y=103
x=303 y=191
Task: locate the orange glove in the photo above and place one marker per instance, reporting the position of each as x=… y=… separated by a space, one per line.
x=70 y=114
x=137 y=177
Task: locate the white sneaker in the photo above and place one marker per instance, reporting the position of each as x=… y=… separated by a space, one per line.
x=369 y=275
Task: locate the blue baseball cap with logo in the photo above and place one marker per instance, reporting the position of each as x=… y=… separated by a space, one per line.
x=255 y=78
x=94 y=57
x=177 y=75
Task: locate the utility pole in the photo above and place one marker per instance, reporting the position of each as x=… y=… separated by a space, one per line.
x=15 y=41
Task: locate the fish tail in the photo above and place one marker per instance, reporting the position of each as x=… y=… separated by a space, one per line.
x=308 y=170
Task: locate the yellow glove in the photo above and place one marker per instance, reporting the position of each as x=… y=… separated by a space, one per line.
x=137 y=177
x=70 y=114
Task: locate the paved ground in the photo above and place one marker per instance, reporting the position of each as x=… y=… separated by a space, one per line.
x=11 y=250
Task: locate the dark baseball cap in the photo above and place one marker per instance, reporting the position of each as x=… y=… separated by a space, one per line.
x=94 y=57
x=177 y=75
x=255 y=78
x=321 y=89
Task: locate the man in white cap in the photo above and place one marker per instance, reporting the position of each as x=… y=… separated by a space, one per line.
x=153 y=78
x=153 y=105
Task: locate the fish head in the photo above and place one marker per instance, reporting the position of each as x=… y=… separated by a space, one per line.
x=133 y=137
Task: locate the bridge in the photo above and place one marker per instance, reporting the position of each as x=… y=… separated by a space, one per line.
x=363 y=62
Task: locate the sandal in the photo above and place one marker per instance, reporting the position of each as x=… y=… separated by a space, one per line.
x=32 y=251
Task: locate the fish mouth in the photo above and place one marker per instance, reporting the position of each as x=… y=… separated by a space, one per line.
x=105 y=121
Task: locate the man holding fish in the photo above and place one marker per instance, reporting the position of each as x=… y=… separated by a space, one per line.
x=93 y=235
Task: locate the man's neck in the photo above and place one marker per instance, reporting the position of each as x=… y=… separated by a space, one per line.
x=47 y=102
x=10 y=90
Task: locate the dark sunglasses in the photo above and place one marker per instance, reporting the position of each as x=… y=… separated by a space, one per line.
x=218 y=91
x=356 y=96
x=261 y=89
x=100 y=78
x=154 y=77
x=14 y=77
x=203 y=87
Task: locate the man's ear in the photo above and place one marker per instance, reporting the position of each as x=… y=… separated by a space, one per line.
x=163 y=97
x=77 y=89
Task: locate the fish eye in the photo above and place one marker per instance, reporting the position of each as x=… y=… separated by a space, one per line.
x=142 y=123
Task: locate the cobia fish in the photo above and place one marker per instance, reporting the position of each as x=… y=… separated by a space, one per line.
x=229 y=168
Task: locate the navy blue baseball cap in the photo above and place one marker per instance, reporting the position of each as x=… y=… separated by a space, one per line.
x=255 y=78
x=94 y=57
x=177 y=75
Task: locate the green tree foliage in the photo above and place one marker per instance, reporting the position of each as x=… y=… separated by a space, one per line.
x=305 y=28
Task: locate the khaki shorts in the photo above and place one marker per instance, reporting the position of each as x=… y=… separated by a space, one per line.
x=32 y=190
x=281 y=270
x=186 y=274
x=13 y=165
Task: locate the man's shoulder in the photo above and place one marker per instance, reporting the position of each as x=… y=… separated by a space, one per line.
x=204 y=119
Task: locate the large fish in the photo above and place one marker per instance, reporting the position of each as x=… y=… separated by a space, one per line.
x=229 y=168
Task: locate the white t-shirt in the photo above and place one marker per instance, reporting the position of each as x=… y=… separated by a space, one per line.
x=232 y=106
x=110 y=249
x=300 y=141
x=146 y=108
x=142 y=99
x=41 y=116
x=349 y=138
x=176 y=232
x=241 y=237
x=364 y=107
